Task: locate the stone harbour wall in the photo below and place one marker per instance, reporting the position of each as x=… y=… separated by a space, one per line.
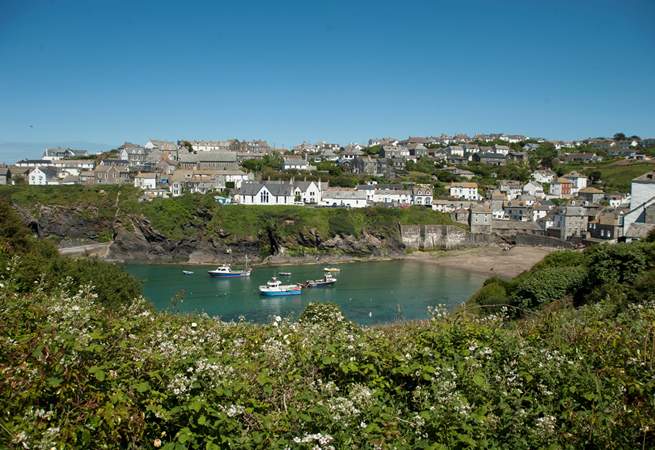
x=441 y=237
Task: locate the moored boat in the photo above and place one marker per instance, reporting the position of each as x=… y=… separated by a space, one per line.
x=187 y=272
x=331 y=269
x=327 y=280
x=225 y=271
x=275 y=288
x=284 y=274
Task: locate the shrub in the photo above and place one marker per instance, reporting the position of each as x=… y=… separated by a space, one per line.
x=547 y=285
x=621 y=263
x=562 y=258
x=36 y=262
x=341 y=223
x=492 y=293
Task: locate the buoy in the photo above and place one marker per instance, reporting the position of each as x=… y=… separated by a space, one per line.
x=370 y=314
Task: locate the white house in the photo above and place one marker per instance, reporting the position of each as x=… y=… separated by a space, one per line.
x=513 y=189
x=642 y=196
x=393 y=196
x=544 y=176
x=73 y=167
x=618 y=200
x=501 y=150
x=41 y=176
x=464 y=190
x=535 y=189
x=578 y=181
x=369 y=189
x=145 y=181
x=296 y=164
x=58 y=153
x=280 y=192
x=422 y=195
x=349 y=198
x=512 y=138
x=455 y=150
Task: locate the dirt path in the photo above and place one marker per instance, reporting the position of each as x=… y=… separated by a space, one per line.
x=487 y=260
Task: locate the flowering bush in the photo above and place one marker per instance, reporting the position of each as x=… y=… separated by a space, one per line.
x=81 y=370
x=76 y=373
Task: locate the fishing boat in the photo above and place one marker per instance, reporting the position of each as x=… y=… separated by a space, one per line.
x=275 y=288
x=331 y=269
x=225 y=271
x=284 y=274
x=187 y=272
x=327 y=280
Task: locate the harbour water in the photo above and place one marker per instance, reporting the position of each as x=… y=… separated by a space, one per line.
x=367 y=292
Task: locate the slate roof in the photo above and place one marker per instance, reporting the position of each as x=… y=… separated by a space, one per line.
x=639 y=230
x=346 y=194
x=50 y=172
x=208 y=157
x=296 y=161
x=646 y=178
x=464 y=184
x=281 y=188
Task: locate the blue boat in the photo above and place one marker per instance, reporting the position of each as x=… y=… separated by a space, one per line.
x=275 y=288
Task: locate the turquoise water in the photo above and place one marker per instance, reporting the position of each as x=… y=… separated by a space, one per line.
x=367 y=292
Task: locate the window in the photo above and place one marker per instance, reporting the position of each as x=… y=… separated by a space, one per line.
x=263 y=197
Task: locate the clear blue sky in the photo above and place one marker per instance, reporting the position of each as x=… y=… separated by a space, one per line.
x=108 y=71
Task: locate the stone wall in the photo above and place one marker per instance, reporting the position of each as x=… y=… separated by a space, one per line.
x=541 y=241
x=445 y=237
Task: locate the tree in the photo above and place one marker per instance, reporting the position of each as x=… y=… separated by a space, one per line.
x=187 y=145
x=619 y=136
x=372 y=150
x=594 y=176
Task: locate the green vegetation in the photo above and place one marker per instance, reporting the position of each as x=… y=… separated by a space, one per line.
x=81 y=372
x=615 y=175
x=103 y=199
x=194 y=216
x=272 y=161
x=600 y=272
x=36 y=264
x=372 y=150
x=177 y=217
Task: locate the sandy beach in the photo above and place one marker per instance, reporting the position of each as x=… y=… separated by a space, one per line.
x=487 y=260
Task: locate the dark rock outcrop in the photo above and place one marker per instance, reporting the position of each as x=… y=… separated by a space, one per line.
x=134 y=238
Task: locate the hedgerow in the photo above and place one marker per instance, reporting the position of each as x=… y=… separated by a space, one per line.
x=84 y=366
x=75 y=373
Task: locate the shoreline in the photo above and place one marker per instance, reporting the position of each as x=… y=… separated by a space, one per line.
x=488 y=260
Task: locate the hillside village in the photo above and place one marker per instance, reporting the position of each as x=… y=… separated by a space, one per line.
x=494 y=183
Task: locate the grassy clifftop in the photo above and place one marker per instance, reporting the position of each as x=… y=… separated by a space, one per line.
x=199 y=218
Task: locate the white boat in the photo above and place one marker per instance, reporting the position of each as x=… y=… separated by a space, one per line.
x=331 y=269
x=326 y=281
x=225 y=271
x=187 y=272
x=284 y=274
x=275 y=288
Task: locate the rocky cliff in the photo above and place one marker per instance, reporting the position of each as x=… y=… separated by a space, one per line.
x=132 y=237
